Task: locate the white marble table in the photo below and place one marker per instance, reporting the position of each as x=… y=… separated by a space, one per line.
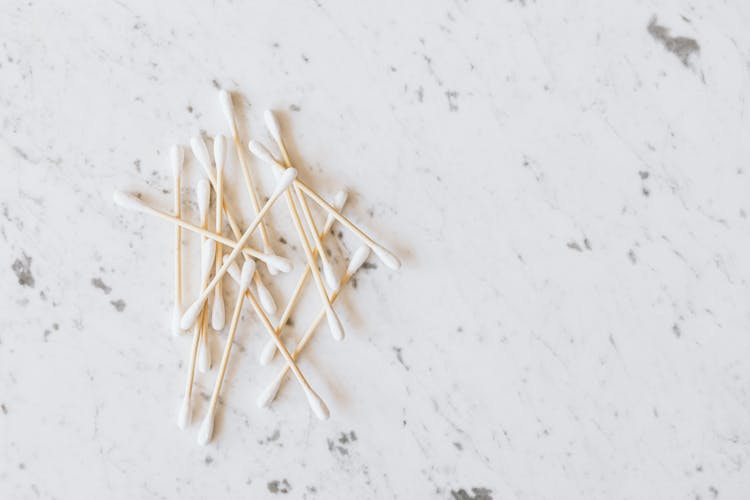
x=567 y=187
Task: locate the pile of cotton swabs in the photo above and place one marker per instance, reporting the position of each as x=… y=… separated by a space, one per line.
x=221 y=256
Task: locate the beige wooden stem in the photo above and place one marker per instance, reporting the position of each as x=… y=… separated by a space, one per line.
x=235 y=229
x=227 y=351
x=300 y=284
x=309 y=333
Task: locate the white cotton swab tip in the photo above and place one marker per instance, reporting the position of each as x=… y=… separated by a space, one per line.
x=203 y=193
x=387 y=257
x=218 y=314
x=206 y=432
x=272 y=125
x=225 y=100
x=183 y=416
x=267 y=353
x=317 y=405
x=261 y=152
x=268 y=395
x=266 y=299
x=233 y=269
x=284 y=182
x=334 y=324
x=200 y=151
x=220 y=151
x=191 y=314
x=208 y=254
x=339 y=199
x=177 y=156
x=281 y=263
x=332 y=280
x=358 y=258
x=127 y=200
x=248 y=268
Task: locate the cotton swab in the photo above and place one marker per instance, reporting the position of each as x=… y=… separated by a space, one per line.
x=220 y=150
x=190 y=315
x=268 y=351
x=273 y=127
x=208 y=255
x=384 y=255
x=201 y=152
x=208 y=251
x=207 y=428
x=177 y=158
x=269 y=394
x=130 y=202
x=316 y=402
x=225 y=99
x=334 y=324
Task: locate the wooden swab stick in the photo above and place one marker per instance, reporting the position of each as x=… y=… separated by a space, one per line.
x=268 y=351
x=190 y=315
x=334 y=324
x=208 y=256
x=177 y=158
x=384 y=255
x=207 y=428
x=225 y=99
x=183 y=418
x=185 y=414
x=275 y=130
x=220 y=150
x=201 y=153
x=130 y=202
x=269 y=394
x=316 y=403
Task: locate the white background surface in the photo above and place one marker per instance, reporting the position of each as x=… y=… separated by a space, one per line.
x=568 y=198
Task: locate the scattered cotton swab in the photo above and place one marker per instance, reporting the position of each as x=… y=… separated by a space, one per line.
x=270 y=348
x=220 y=149
x=177 y=158
x=384 y=255
x=130 y=202
x=208 y=306
x=191 y=314
x=357 y=260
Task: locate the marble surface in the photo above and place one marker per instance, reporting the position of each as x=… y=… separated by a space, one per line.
x=566 y=184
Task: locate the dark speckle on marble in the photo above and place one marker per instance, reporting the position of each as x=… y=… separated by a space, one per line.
x=632 y=256
x=282 y=486
x=118 y=304
x=3 y=408
x=680 y=46
x=98 y=283
x=452 y=96
x=270 y=439
x=22 y=268
x=574 y=246
x=676 y=330
x=476 y=494
x=294 y=107
x=208 y=460
x=399 y=357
